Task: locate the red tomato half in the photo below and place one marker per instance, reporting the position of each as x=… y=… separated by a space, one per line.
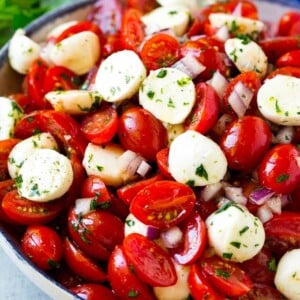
x=206 y=110
x=286 y=22
x=279 y=169
x=160 y=50
x=143 y=5
x=92 y=291
x=287 y=70
x=291 y=58
x=5 y=187
x=262 y=292
x=226 y=277
x=99 y=127
x=163 y=204
x=123 y=278
x=162 y=157
x=151 y=263
x=43 y=246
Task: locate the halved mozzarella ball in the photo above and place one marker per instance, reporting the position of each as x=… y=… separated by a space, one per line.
x=192 y=5
x=173 y=131
x=287 y=277
x=278 y=100
x=74 y=102
x=25 y=148
x=79 y=52
x=174 y=17
x=120 y=76
x=234 y=233
x=134 y=225
x=45 y=175
x=22 y=52
x=247 y=56
x=10 y=114
x=196 y=160
x=237 y=24
x=180 y=290
x=169 y=94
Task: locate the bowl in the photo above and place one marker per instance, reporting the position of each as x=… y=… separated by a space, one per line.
x=10 y=82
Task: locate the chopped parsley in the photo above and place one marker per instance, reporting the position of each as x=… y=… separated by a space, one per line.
x=129 y=223
x=271 y=264
x=236 y=244
x=242 y=231
x=183 y=81
x=222 y=273
x=227 y=255
x=282 y=178
x=201 y=172
x=150 y=94
x=133 y=293
x=162 y=73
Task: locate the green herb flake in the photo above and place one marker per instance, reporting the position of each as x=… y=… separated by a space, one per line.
x=184 y=81
x=222 y=273
x=18 y=181
x=130 y=222
x=282 y=178
x=150 y=94
x=162 y=73
x=53 y=264
x=271 y=264
x=201 y=172
x=278 y=109
x=236 y=244
x=173 y=12
x=100 y=168
x=190 y=183
x=242 y=231
x=227 y=255
x=99 y=205
x=133 y=293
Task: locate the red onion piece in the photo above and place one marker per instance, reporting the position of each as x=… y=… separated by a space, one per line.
x=172 y=237
x=264 y=213
x=237 y=12
x=189 y=65
x=285 y=135
x=153 y=233
x=221 y=124
x=219 y=83
x=210 y=191
x=235 y=194
x=83 y=206
x=222 y=34
x=275 y=204
x=260 y=196
x=143 y=168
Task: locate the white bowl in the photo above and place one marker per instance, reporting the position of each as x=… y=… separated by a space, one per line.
x=10 y=82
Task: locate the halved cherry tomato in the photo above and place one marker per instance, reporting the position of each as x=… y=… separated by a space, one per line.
x=226 y=277
x=162 y=157
x=127 y=192
x=143 y=5
x=158 y=269
x=92 y=291
x=43 y=246
x=194 y=240
x=199 y=285
x=286 y=22
x=279 y=169
x=80 y=264
x=283 y=232
x=291 y=58
x=295 y=29
x=245 y=142
x=25 y=212
x=206 y=110
x=163 y=204
x=160 y=50
x=5 y=187
x=141 y=132
x=205 y=208
x=89 y=81
x=288 y=70
x=123 y=278
x=262 y=292
x=25 y=101
x=96 y=233
x=132 y=31
x=100 y=126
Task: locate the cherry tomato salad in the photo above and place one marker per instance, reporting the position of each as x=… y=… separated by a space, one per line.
x=153 y=152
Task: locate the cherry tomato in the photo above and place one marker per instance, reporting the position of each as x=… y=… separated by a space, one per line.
x=200 y=287
x=123 y=278
x=291 y=58
x=279 y=169
x=92 y=291
x=141 y=132
x=226 y=277
x=286 y=22
x=80 y=264
x=194 y=240
x=25 y=212
x=160 y=50
x=158 y=269
x=5 y=187
x=245 y=142
x=206 y=110
x=127 y=192
x=162 y=157
x=132 y=31
x=43 y=246
x=96 y=233
x=262 y=292
x=295 y=29
x=142 y=5
x=163 y=204
x=205 y=208
x=288 y=70
x=24 y=101
x=283 y=232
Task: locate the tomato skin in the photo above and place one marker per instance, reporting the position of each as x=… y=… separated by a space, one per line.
x=124 y=280
x=199 y=286
x=91 y=291
x=245 y=142
x=26 y=212
x=162 y=157
x=290 y=58
x=283 y=232
x=100 y=126
x=286 y=22
x=96 y=233
x=141 y=132
x=158 y=269
x=24 y=101
x=206 y=111
x=226 y=277
x=142 y=5
x=262 y=292
x=279 y=169
x=287 y=70
x=43 y=246
x=194 y=240
x=5 y=187
x=160 y=50
x=163 y=203
x=80 y=264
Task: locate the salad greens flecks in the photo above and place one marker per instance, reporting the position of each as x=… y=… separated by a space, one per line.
x=18 y=13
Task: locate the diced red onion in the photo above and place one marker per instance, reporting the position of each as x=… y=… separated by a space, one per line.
x=129 y=162
x=222 y=200
x=275 y=204
x=237 y=12
x=83 y=206
x=285 y=200
x=235 y=194
x=210 y=191
x=260 y=196
x=285 y=135
x=197 y=37
x=222 y=34
x=219 y=83
x=264 y=213
x=143 y=168
x=153 y=233
x=172 y=237
x=189 y=65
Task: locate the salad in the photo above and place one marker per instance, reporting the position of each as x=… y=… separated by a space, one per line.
x=153 y=152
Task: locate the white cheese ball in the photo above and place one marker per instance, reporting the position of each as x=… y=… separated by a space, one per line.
x=44 y=176
x=287 y=277
x=234 y=233
x=134 y=225
x=196 y=160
